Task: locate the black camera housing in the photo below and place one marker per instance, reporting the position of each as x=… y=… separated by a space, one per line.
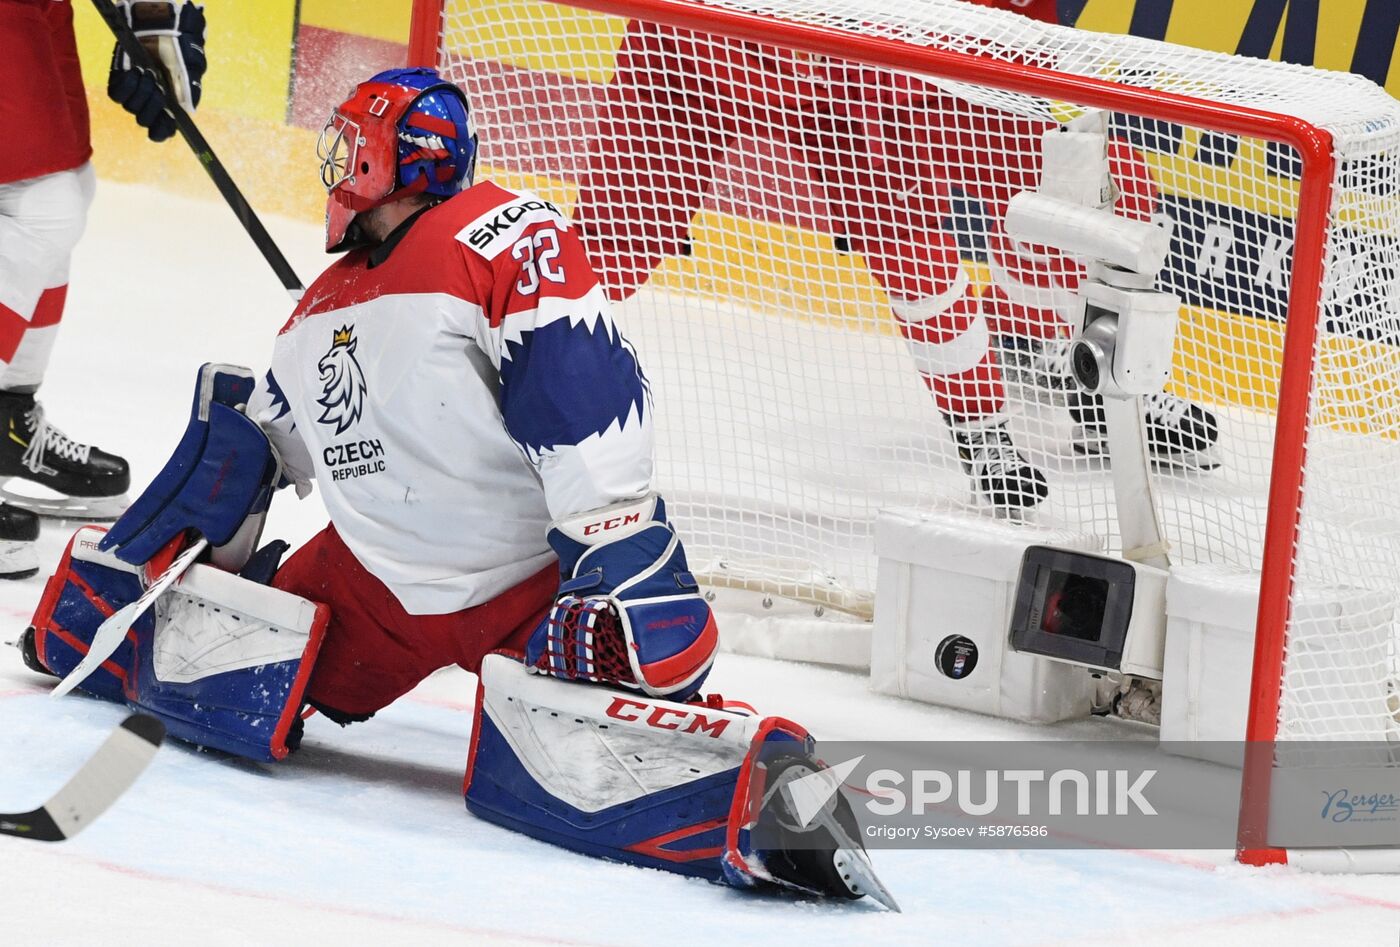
x=1073 y=606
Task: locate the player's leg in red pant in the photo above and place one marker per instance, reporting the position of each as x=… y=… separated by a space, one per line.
x=46 y=184
x=375 y=652
x=891 y=211
x=661 y=132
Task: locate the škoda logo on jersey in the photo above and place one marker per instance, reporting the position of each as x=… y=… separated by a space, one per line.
x=342 y=402
x=491 y=233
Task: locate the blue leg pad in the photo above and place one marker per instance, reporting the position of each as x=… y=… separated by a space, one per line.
x=87 y=587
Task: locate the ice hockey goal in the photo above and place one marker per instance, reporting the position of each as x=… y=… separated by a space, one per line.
x=743 y=172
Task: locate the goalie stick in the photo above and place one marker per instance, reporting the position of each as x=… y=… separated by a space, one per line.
x=110 y=633
x=94 y=787
x=130 y=45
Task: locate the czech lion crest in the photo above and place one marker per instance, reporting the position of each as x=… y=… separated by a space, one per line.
x=342 y=382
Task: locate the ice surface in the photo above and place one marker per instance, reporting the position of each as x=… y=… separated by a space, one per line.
x=363 y=838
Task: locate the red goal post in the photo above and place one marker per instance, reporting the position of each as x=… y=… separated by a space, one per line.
x=1316 y=153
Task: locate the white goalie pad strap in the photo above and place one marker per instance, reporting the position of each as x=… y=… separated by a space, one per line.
x=214 y=622
x=594 y=747
x=609 y=523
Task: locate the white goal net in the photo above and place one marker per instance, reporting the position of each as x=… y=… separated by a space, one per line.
x=807 y=251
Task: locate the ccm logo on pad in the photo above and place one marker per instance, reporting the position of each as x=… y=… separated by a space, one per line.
x=612 y=522
x=665 y=718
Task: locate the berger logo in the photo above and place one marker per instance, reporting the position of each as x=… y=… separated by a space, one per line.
x=342 y=382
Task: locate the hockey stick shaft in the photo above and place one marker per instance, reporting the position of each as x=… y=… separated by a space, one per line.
x=130 y=45
x=110 y=633
x=99 y=783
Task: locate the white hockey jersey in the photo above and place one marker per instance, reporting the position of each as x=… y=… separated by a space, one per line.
x=454 y=396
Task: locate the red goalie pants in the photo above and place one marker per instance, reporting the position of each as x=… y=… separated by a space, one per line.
x=375 y=652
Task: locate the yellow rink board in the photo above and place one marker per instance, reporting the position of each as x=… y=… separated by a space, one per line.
x=378 y=19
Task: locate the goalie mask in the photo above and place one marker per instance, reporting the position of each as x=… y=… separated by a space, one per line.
x=402 y=132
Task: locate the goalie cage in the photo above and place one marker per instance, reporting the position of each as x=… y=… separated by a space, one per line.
x=788 y=409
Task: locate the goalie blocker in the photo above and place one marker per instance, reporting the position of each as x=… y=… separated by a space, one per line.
x=222 y=660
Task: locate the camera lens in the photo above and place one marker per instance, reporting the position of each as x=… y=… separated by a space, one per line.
x=1084 y=360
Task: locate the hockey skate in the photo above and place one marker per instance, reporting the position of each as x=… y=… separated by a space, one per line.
x=45 y=471
x=18 y=531
x=1001 y=475
x=1179 y=433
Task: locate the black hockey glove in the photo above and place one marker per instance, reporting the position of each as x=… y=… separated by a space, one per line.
x=173 y=33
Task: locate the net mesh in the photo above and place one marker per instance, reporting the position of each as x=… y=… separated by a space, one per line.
x=808 y=254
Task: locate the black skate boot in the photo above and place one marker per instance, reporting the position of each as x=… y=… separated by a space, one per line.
x=61 y=477
x=1001 y=476
x=1179 y=433
x=18 y=531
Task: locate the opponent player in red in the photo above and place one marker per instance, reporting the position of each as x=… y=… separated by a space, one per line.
x=46 y=185
x=891 y=151
x=481 y=435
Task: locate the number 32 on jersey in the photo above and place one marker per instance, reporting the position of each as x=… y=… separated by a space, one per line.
x=538 y=255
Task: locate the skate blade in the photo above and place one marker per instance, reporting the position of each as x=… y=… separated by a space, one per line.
x=18 y=560
x=1006 y=513
x=853 y=863
x=57 y=506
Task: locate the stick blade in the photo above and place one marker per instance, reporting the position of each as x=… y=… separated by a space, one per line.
x=37 y=825
x=102 y=780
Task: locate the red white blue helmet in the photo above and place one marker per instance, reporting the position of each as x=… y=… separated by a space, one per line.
x=402 y=132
